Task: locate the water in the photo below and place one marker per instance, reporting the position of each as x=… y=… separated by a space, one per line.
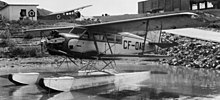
x=164 y=82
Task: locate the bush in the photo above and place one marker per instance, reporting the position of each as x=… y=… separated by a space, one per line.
x=28 y=36
x=24 y=51
x=5 y=34
x=214 y=26
x=7 y=43
x=4 y=43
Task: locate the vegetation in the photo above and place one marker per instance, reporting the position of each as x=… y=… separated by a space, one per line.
x=214 y=25
x=28 y=51
x=9 y=46
x=28 y=36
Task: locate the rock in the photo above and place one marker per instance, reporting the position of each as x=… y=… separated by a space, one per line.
x=217 y=67
x=16 y=58
x=217 y=57
x=190 y=50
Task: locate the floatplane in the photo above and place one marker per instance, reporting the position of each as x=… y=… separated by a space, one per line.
x=102 y=42
x=69 y=14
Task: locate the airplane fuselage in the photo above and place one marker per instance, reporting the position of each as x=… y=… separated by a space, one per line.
x=125 y=43
x=118 y=44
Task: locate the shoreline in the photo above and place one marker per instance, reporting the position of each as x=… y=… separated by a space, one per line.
x=46 y=64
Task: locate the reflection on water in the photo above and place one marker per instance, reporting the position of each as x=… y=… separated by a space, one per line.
x=187 y=81
x=164 y=82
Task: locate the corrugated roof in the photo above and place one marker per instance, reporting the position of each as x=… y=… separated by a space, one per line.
x=15 y=3
x=19 y=1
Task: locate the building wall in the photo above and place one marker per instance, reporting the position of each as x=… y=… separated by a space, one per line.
x=176 y=5
x=185 y=5
x=140 y=7
x=15 y=12
x=161 y=4
x=5 y=13
x=154 y=4
x=147 y=6
x=157 y=5
x=144 y=6
x=168 y=5
x=12 y=12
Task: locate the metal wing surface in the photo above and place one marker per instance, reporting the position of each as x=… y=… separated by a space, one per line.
x=169 y=21
x=70 y=10
x=46 y=31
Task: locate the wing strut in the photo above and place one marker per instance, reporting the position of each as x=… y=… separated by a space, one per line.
x=95 y=42
x=108 y=44
x=41 y=45
x=145 y=37
x=161 y=28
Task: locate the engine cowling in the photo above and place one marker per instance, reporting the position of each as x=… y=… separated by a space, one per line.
x=57 y=43
x=77 y=14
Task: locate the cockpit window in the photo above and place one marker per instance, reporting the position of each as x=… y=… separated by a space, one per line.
x=100 y=37
x=118 y=38
x=78 y=30
x=112 y=38
x=85 y=36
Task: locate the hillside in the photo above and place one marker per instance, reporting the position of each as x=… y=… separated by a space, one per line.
x=43 y=12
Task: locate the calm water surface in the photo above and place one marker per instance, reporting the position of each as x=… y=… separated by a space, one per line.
x=164 y=82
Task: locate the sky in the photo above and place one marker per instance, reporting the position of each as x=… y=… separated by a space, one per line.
x=111 y=7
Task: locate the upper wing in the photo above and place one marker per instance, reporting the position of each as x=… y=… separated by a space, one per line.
x=168 y=21
x=71 y=10
x=46 y=31
x=82 y=7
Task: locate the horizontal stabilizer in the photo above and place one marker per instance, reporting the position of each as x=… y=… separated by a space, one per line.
x=164 y=45
x=153 y=56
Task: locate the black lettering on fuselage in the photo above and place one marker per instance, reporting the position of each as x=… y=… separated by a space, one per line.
x=126 y=44
x=138 y=45
x=129 y=44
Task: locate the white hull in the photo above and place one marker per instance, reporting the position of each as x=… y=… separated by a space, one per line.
x=33 y=78
x=23 y=78
x=69 y=83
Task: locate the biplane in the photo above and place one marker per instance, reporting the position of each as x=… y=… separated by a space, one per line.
x=105 y=42
x=69 y=14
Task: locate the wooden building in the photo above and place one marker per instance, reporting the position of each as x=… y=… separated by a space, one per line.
x=155 y=6
x=10 y=11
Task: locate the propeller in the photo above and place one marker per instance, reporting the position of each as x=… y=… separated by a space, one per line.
x=58 y=43
x=77 y=14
